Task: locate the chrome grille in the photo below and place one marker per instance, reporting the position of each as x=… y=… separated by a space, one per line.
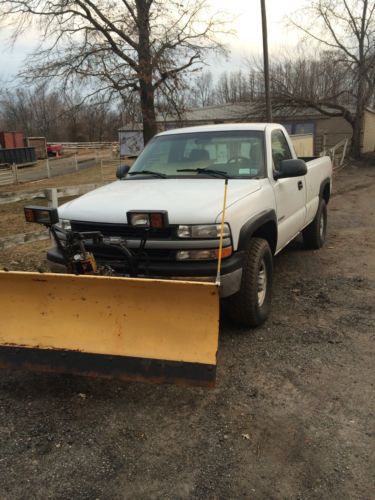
x=123 y=230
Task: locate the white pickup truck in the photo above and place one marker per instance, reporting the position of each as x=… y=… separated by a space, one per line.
x=166 y=209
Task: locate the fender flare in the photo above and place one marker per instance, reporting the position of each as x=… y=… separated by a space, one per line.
x=323 y=184
x=253 y=224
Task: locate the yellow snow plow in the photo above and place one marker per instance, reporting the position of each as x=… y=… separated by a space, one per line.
x=129 y=328
x=93 y=323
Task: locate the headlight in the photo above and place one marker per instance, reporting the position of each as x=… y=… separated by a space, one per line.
x=203 y=231
x=65 y=224
x=152 y=219
x=209 y=254
x=139 y=220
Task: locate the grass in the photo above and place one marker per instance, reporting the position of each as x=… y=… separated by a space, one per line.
x=89 y=175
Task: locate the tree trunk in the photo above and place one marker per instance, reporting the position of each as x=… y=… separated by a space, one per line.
x=359 y=114
x=357 y=135
x=148 y=109
x=361 y=88
x=146 y=89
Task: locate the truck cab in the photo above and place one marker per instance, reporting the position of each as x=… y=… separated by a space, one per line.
x=167 y=208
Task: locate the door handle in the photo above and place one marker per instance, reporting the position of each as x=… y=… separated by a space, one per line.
x=300 y=185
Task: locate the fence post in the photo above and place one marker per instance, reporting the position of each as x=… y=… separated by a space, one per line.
x=76 y=161
x=15 y=173
x=101 y=169
x=51 y=195
x=48 y=169
x=344 y=152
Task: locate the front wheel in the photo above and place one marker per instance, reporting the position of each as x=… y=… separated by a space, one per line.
x=251 y=305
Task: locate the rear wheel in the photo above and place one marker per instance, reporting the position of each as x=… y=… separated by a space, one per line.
x=314 y=235
x=251 y=305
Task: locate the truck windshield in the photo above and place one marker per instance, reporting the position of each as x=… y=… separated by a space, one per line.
x=238 y=154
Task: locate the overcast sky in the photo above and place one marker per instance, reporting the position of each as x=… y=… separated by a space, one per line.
x=247 y=42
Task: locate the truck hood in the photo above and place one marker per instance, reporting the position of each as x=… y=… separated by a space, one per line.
x=187 y=201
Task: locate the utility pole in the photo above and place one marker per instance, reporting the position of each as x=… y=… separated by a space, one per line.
x=265 y=62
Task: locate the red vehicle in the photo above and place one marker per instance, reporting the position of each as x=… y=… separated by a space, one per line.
x=54 y=149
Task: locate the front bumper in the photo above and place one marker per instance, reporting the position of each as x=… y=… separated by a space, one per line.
x=230 y=280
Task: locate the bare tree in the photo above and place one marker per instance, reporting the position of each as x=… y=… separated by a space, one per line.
x=174 y=100
x=32 y=110
x=41 y=111
x=117 y=45
x=347 y=29
x=203 y=90
x=244 y=85
x=312 y=82
x=223 y=88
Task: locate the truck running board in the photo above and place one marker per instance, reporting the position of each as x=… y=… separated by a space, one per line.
x=127 y=328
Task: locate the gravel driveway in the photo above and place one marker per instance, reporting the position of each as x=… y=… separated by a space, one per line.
x=291 y=417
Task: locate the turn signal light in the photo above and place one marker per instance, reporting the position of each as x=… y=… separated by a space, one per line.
x=41 y=215
x=225 y=252
x=156 y=221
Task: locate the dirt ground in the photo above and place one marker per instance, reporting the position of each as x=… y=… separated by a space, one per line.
x=291 y=417
x=13 y=219
x=87 y=176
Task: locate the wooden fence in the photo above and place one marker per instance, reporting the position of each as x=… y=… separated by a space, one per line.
x=89 y=145
x=337 y=153
x=52 y=167
x=108 y=169
x=8 y=174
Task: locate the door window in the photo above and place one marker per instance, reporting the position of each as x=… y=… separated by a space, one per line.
x=280 y=148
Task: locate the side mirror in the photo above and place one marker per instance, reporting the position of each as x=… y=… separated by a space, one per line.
x=291 y=168
x=121 y=171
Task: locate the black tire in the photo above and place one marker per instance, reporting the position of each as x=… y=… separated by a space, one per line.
x=249 y=306
x=314 y=235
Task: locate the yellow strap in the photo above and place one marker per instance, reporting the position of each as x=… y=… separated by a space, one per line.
x=221 y=233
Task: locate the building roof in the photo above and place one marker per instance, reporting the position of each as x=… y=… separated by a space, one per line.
x=229 y=111
x=244 y=111
x=239 y=111
x=236 y=112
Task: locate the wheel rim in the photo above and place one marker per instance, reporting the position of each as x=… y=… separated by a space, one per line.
x=322 y=226
x=262 y=283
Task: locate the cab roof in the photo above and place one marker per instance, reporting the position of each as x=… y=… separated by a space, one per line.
x=223 y=127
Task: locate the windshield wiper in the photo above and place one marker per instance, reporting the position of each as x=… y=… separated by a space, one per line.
x=208 y=171
x=148 y=172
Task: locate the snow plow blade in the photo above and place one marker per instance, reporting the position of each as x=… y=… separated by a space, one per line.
x=127 y=328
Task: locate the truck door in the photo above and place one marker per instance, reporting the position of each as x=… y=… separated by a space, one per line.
x=290 y=194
